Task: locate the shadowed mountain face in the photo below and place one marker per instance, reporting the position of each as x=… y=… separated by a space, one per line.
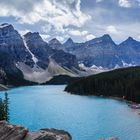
x=104 y=52
x=129 y=51
x=43 y=52
x=12 y=49
x=22 y=56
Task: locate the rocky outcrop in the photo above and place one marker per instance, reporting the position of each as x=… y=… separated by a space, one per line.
x=48 y=134
x=14 y=132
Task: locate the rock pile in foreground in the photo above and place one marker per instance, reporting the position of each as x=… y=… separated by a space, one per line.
x=14 y=132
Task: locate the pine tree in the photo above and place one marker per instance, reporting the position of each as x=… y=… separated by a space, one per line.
x=4 y=111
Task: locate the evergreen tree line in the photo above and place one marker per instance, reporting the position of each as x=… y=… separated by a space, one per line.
x=4 y=111
x=124 y=83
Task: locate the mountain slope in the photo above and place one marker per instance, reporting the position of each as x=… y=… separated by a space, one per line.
x=103 y=52
x=100 y=52
x=28 y=57
x=12 y=49
x=39 y=75
x=43 y=52
x=129 y=51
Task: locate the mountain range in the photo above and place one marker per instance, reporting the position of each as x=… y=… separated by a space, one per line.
x=29 y=58
x=102 y=52
x=32 y=58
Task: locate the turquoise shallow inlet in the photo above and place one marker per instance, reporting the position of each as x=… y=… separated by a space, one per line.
x=86 y=118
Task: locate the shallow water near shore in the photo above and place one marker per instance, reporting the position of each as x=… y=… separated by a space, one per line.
x=84 y=117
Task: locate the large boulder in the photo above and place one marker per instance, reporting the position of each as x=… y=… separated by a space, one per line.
x=49 y=134
x=14 y=132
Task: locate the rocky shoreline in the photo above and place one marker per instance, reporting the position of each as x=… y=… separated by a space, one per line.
x=14 y=132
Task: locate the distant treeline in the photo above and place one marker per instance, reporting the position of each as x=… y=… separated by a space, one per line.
x=124 y=83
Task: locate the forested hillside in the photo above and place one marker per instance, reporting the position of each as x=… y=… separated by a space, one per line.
x=118 y=83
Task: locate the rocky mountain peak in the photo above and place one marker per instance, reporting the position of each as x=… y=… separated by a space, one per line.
x=130 y=39
x=106 y=37
x=33 y=36
x=68 y=44
x=7 y=30
x=9 y=36
x=54 y=41
x=55 y=44
x=6 y=25
x=69 y=41
x=129 y=42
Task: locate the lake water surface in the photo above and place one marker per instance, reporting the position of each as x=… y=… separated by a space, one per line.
x=86 y=118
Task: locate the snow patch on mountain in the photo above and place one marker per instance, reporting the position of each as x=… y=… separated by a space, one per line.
x=127 y=65
x=35 y=60
x=4 y=25
x=93 y=69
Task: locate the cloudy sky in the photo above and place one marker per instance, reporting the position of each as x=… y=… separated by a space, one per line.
x=79 y=19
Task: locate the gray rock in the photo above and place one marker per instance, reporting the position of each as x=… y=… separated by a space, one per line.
x=14 y=132
x=49 y=134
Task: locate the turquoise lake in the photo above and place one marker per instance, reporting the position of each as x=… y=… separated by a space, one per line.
x=85 y=118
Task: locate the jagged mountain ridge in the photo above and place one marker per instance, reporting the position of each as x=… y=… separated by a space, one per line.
x=103 y=52
x=30 y=55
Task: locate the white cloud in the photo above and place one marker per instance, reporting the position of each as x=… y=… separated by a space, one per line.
x=23 y=32
x=45 y=37
x=90 y=36
x=111 y=29
x=99 y=1
x=77 y=32
x=59 y=14
x=139 y=37
x=60 y=38
x=124 y=3
x=47 y=28
x=138 y=2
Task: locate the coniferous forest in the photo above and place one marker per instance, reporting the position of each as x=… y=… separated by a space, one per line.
x=122 y=83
